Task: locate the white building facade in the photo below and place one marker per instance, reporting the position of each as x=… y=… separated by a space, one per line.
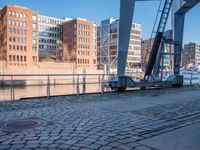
x=107 y=45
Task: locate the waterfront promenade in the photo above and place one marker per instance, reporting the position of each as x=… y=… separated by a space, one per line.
x=162 y=119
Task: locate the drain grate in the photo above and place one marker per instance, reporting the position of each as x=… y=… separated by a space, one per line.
x=24 y=124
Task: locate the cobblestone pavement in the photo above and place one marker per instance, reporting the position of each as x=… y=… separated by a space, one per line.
x=74 y=123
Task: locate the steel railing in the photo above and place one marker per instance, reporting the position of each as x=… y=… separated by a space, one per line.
x=76 y=80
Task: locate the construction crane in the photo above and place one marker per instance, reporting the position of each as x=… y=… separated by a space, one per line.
x=120 y=82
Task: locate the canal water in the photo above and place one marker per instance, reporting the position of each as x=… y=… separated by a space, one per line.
x=38 y=91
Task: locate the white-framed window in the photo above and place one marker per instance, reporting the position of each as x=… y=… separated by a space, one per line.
x=17 y=15
x=24 y=24
x=9 y=13
x=24 y=15
x=17 y=23
x=20 y=15
x=20 y=23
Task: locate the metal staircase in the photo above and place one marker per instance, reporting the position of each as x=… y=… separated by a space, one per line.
x=157 y=35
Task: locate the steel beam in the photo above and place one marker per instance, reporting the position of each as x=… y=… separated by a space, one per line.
x=125 y=24
x=179 y=20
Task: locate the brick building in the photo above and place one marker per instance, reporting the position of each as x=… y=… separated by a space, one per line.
x=79 y=43
x=191 y=55
x=18 y=36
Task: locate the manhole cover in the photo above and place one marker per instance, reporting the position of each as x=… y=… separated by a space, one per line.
x=23 y=124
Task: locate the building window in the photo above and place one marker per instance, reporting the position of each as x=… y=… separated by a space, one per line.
x=34 y=25
x=10 y=47
x=13 y=13
x=34 y=41
x=17 y=57
x=13 y=22
x=24 y=48
x=20 y=23
x=24 y=58
x=34 y=33
x=10 y=58
x=9 y=22
x=14 y=39
x=34 y=18
x=24 y=24
x=25 y=41
x=13 y=57
x=10 y=30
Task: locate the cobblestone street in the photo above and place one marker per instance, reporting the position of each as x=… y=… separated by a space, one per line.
x=109 y=121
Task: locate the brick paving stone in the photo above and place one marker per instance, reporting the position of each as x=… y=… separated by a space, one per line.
x=70 y=142
x=64 y=146
x=75 y=148
x=105 y=148
x=17 y=146
x=4 y=146
x=32 y=146
x=53 y=146
x=133 y=144
x=18 y=142
x=94 y=146
x=124 y=147
x=142 y=148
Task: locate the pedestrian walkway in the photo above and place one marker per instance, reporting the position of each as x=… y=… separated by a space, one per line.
x=140 y=120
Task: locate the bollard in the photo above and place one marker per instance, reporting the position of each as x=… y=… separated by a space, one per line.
x=77 y=86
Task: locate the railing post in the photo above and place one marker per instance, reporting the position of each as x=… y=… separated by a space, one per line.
x=84 y=83
x=99 y=80
x=12 y=92
x=48 y=88
x=102 y=85
x=77 y=86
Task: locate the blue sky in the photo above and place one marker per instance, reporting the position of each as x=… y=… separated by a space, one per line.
x=97 y=10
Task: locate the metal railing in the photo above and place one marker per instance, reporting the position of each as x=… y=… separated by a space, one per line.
x=10 y=81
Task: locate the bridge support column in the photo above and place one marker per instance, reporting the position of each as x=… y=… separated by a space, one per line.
x=125 y=24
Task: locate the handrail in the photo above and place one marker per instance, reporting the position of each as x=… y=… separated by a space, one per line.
x=54 y=74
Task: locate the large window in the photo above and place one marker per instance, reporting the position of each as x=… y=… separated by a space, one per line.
x=34 y=26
